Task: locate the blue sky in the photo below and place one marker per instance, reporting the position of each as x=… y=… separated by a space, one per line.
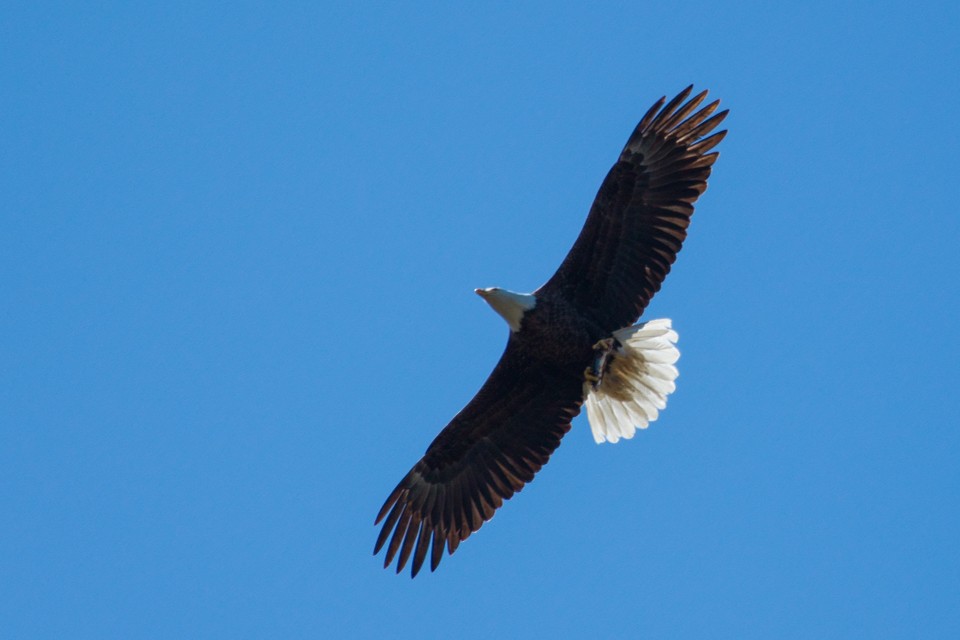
x=236 y=305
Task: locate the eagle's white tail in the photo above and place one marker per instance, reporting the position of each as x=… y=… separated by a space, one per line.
x=635 y=377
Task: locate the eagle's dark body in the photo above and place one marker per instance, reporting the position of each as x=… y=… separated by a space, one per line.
x=496 y=444
x=555 y=333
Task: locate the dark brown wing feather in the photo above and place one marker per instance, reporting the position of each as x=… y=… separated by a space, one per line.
x=487 y=453
x=639 y=219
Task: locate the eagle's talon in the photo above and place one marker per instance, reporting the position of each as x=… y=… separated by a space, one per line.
x=590 y=375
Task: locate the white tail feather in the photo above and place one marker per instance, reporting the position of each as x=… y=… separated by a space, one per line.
x=634 y=389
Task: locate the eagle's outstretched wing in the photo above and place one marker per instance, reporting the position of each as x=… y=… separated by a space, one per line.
x=639 y=218
x=486 y=454
x=511 y=427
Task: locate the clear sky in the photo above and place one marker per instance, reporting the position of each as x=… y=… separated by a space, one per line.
x=237 y=264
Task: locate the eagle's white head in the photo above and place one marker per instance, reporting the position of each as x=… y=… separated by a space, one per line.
x=509 y=304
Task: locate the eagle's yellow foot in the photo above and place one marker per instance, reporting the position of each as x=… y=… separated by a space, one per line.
x=590 y=375
x=603 y=345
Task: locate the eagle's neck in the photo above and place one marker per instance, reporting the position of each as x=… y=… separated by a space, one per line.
x=509 y=304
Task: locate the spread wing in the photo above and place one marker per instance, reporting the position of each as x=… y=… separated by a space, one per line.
x=639 y=218
x=487 y=453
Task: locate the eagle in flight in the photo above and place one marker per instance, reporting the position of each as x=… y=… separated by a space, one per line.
x=572 y=342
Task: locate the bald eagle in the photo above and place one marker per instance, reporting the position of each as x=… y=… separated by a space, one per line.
x=572 y=342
